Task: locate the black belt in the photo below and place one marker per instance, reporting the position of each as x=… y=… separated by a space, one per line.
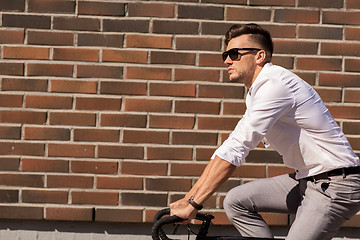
x=335 y=172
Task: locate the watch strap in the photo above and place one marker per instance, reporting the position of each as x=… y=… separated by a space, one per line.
x=194 y=204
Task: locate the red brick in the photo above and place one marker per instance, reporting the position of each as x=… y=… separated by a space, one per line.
x=144 y=199
x=352 y=4
x=123 y=120
x=146 y=41
x=341 y=111
x=68 y=86
x=26 y=21
x=343 y=17
x=172 y=58
x=95 y=198
x=17 y=5
x=169 y=153
x=98 y=103
x=352 y=65
x=186 y=74
x=339 y=79
x=352 y=33
x=187 y=169
x=151 y=10
x=101 y=8
x=295 y=47
x=205 y=107
x=264 y=156
x=11 y=100
x=123 y=88
x=315 y=32
x=44 y=165
x=96 y=167
x=48 y=69
x=198 y=43
x=204 y=154
x=124 y=56
x=100 y=39
x=312 y=63
x=165 y=121
x=48 y=102
x=351 y=127
x=76 y=23
x=9 y=68
x=211 y=60
x=167 y=184
x=125 y=25
x=329 y=95
x=201 y=12
x=44 y=196
x=69 y=181
x=22 y=180
x=119 y=183
x=194 y=138
x=50 y=38
x=144 y=168
x=76 y=54
x=99 y=71
x=96 y=135
x=343 y=49
x=217 y=123
x=247 y=14
x=71 y=150
x=21 y=213
x=221 y=91
x=52 y=6
x=25 y=52
x=20 y=84
x=69 y=214
x=30 y=117
x=125 y=152
x=149 y=73
x=46 y=133
x=171 y=89
x=289 y=3
x=148 y=136
x=234 y=108
x=354 y=142
x=352 y=95
x=175 y=27
x=147 y=105
x=9 y=196
x=72 y=118
x=250 y=171
x=9 y=163
x=118 y=215
x=11 y=36
x=10 y=132
x=297 y=16
x=322 y=4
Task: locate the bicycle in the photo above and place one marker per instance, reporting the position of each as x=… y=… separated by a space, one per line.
x=158 y=233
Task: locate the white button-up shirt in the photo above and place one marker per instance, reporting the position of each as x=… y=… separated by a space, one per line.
x=288 y=115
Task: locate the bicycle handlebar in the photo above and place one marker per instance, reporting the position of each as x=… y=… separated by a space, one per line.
x=158 y=234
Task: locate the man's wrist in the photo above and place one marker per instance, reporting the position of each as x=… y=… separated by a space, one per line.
x=194 y=204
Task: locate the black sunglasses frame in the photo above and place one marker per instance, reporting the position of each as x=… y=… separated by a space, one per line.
x=235 y=55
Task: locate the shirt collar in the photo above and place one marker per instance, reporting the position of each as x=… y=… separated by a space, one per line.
x=262 y=72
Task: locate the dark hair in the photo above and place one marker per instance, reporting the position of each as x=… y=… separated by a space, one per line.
x=257 y=33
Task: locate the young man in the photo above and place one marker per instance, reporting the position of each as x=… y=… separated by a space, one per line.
x=286 y=114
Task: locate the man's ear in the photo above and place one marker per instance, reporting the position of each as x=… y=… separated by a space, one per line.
x=261 y=57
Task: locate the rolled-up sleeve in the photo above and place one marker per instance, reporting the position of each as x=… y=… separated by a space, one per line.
x=269 y=100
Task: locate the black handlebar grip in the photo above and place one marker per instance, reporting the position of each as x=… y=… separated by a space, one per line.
x=156 y=232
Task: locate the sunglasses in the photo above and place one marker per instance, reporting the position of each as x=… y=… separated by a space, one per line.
x=235 y=55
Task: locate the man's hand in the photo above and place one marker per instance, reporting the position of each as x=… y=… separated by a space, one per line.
x=183 y=210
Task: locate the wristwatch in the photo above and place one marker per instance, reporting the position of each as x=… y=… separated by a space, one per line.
x=194 y=204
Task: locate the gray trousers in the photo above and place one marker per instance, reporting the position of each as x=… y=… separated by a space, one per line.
x=321 y=206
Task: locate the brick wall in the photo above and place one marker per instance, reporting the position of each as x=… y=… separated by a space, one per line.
x=110 y=110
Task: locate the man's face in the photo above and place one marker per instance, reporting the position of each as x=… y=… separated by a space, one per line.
x=242 y=70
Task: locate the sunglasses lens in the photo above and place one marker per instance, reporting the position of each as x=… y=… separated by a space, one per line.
x=232 y=53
